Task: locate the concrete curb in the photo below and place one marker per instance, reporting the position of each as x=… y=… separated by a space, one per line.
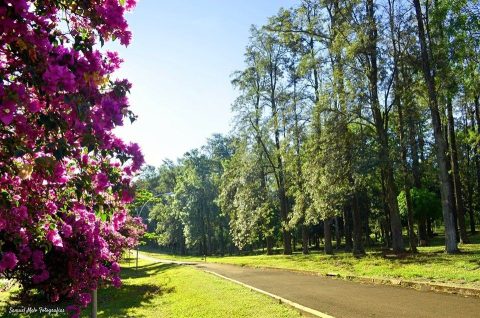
x=282 y=300
x=422 y=286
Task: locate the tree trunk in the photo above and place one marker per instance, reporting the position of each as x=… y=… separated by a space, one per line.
x=269 y=243
x=450 y=179
x=457 y=184
x=357 y=228
x=338 y=234
x=406 y=182
x=417 y=179
x=446 y=190
x=398 y=100
x=317 y=241
x=477 y=152
x=305 y=250
x=222 y=239
x=182 y=243
x=381 y=131
x=468 y=175
x=429 y=227
x=366 y=208
x=347 y=227
x=386 y=211
x=327 y=231
x=422 y=231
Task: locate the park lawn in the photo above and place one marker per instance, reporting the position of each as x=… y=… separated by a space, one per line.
x=158 y=290
x=431 y=264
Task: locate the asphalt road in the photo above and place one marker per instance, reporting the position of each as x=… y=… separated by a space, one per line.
x=341 y=299
x=345 y=299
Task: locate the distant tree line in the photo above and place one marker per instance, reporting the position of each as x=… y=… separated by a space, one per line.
x=356 y=122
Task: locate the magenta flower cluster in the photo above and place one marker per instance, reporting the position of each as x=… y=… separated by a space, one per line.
x=64 y=176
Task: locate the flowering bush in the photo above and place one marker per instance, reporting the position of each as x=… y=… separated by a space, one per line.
x=64 y=177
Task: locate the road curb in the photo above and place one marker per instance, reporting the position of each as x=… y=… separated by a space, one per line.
x=422 y=286
x=282 y=300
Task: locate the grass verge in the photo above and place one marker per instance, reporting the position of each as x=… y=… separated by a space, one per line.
x=163 y=290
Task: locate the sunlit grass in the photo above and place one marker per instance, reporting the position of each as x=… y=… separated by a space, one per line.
x=162 y=290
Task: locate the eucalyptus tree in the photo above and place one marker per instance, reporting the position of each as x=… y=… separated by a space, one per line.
x=299 y=95
x=165 y=220
x=194 y=198
x=395 y=25
x=440 y=142
x=368 y=49
x=328 y=180
x=265 y=57
x=169 y=226
x=246 y=200
x=447 y=53
x=219 y=149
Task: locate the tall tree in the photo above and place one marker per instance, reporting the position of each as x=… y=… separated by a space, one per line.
x=440 y=143
x=381 y=125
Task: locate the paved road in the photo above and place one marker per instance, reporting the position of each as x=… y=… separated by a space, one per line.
x=346 y=299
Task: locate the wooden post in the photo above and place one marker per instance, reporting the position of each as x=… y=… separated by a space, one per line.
x=136 y=262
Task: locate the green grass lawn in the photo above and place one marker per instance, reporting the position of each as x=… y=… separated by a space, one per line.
x=161 y=290
x=431 y=264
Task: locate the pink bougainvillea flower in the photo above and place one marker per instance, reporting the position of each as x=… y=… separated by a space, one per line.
x=58 y=77
x=116 y=282
x=22 y=212
x=9 y=261
x=62 y=160
x=37 y=260
x=85 y=299
x=34 y=106
x=66 y=230
x=51 y=207
x=7 y=110
x=115 y=267
x=54 y=238
x=60 y=174
x=101 y=182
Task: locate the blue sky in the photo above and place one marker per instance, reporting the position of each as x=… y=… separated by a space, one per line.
x=180 y=61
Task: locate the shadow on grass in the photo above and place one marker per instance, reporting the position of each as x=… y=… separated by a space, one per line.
x=115 y=302
x=31 y=305
x=437 y=257
x=145 y=270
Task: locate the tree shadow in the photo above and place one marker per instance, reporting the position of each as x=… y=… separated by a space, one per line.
x=32 y=304
x=145 y=270
x=112 y=302
x=115 y=302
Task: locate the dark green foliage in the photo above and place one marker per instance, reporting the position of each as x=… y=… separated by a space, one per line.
x=426 y=204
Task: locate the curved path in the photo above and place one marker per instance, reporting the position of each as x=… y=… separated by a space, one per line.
x=341 y=299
